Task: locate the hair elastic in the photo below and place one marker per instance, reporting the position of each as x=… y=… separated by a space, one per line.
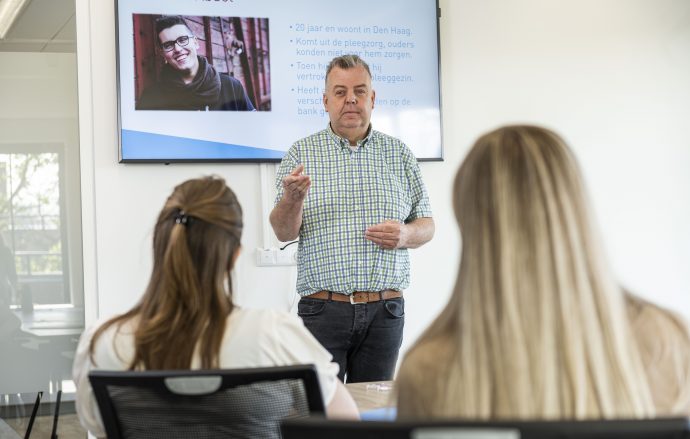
x=181 y=218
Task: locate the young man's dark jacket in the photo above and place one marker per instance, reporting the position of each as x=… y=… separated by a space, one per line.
x=209 y=90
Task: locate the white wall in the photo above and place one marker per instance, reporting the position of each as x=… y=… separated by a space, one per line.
x=614 y=78
x=611 y=76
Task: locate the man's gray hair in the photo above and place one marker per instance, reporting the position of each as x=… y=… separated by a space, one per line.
x=346 y=62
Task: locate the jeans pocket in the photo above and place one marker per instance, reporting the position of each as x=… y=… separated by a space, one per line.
x=310 y=307
x=395 y=307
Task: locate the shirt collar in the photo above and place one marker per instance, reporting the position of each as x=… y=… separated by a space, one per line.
x=344 y=143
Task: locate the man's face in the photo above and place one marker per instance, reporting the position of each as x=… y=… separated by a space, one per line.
x=349 y=100
x=181 y=57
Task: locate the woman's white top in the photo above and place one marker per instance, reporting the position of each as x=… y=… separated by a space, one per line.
x=253 y=338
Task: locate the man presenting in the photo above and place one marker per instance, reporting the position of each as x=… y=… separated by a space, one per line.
x=187 y=81
x=355 y=199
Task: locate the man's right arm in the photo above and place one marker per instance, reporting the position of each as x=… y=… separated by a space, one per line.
x=286 y=216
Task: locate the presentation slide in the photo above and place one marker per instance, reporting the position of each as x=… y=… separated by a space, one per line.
x=241 y=80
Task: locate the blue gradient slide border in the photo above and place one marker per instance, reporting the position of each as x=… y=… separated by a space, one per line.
x=139 y=145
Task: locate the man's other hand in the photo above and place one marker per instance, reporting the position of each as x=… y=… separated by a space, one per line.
x=387 y=235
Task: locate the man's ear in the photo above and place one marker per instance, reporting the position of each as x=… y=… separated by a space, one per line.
x=373 y=98
x=325 y=102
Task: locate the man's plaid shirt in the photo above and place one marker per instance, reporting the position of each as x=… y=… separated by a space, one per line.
x=352 y=189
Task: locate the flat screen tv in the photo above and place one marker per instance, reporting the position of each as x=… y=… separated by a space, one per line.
x=268 y=58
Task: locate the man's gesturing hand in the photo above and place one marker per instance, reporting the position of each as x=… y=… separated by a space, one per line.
x=296 y=185
x=387 y=235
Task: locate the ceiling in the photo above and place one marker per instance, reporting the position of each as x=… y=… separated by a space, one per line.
x=43 y=26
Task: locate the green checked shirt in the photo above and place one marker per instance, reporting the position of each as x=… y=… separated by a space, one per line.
x=352 y=189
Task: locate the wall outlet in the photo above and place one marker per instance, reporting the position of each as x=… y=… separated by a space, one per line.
x=265 y=257
x=270 y=257
x=287 y=256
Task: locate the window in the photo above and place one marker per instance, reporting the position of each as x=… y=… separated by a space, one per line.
x=31 y=222
x=41 y=275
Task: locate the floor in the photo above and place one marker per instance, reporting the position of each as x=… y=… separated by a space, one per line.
x=68 y=427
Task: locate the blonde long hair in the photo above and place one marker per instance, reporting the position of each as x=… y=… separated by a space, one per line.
x=536 y=326
x=188 y=297
x=664 y=343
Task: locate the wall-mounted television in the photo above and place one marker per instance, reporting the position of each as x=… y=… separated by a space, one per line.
x=258 y=74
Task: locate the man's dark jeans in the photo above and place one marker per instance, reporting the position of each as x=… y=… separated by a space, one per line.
x=364 y=339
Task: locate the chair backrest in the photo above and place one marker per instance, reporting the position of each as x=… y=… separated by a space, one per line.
x=221 y=403
x=318 y=427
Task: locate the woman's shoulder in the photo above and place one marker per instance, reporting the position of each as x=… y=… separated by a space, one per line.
x=114 y=347
x=424 y=367
x=663 y=340
x=429 y=353
x=428 y=358
x=110 y=348
x=264 y=317
x=268 y=325
x=652 y=323
x=269 y=337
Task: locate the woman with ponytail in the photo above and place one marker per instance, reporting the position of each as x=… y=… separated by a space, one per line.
x=186 y=318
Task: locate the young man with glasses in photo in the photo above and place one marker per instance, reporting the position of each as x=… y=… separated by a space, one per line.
x=188 y=81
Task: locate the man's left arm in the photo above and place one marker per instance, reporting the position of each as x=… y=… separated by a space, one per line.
x=391 y=234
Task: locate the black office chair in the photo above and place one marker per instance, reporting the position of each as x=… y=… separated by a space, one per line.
x=318 y=427
x=228 y=403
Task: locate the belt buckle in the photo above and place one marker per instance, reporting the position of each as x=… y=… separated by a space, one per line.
x=352 y=300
